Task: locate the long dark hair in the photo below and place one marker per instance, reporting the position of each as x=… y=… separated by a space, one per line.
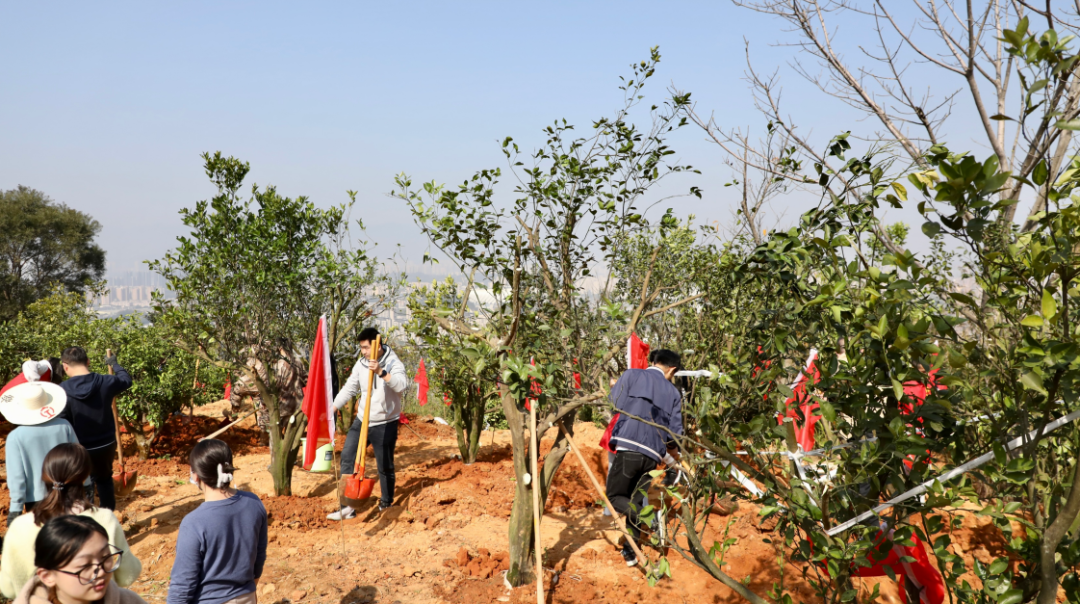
x=64 y=471
x=60 y=540
x=210 y=460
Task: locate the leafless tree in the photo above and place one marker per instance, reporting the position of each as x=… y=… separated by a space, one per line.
x=932 y=60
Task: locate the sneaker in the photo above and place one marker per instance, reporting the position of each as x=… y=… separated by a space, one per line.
x=344 y=513
x=383 y=506
x=628 y=555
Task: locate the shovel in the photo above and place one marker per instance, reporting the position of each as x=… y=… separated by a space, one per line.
x=356 y=486
x=124 y=482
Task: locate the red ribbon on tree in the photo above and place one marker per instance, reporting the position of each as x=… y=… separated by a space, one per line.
x=422 y=384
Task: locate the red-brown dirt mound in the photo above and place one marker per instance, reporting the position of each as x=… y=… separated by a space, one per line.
x=296 y=513
x=178 y=436
x=483 y=565
x=426 y=427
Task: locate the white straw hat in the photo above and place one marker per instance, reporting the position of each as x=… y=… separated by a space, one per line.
x=32 y=404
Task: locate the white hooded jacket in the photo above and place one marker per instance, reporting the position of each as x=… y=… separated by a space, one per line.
x=386 y=393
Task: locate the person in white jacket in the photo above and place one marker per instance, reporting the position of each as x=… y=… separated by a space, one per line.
x=390 y=382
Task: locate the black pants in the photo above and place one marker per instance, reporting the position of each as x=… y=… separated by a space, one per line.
x=384 y=439
x=628 y=485
x=101 y=471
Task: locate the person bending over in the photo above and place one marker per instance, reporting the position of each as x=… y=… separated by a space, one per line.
x=390 y=382
x=90 y=412
x=65 y=471
x=221 y=548
x=639 y=447
x=75 y=565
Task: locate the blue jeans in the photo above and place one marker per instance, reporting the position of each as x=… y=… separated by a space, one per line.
x=384 y=439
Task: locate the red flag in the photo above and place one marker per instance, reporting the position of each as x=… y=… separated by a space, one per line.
x=421 y=383
x=318 y=404
x=637 y=357
x=800 y=407
x=637 y=353
x=228 y=388
x=605 y=440
x=534 y=387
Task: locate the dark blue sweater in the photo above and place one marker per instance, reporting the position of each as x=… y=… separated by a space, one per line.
x=89 y=405
x=647 y=394
x=220 y=551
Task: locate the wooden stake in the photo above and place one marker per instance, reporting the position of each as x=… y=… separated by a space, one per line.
x=619 y=522
x=236 y=421
x=536 y=505
x=194 y=385
x=116 y=421
x=337 y=491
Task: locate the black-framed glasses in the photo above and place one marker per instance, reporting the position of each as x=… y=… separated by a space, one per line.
x=90 y=573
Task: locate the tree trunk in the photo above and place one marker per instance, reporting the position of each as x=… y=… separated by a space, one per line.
x=468 y=424
x=347 y=417
x=522 y=563
x=1052 y=538
x=476 y=427
x=143 y=443
x=521 y=514
x=284 y=447
x=703 y=557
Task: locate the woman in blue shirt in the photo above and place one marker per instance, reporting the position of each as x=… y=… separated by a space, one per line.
x=221 y=548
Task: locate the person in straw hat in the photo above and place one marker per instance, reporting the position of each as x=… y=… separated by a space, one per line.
x=35 y=408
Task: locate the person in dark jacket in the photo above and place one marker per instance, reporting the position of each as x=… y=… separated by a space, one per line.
x=639 y=447
x=90 y=412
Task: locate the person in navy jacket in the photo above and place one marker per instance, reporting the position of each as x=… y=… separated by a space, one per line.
x=639 y=447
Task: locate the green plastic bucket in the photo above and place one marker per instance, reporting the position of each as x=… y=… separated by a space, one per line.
x=324 y=457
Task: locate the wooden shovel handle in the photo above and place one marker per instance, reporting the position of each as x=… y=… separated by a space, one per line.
x=116 y=421
x=360 y=464
x=619 y=522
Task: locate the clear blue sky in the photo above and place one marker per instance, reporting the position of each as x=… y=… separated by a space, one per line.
x=107 y=106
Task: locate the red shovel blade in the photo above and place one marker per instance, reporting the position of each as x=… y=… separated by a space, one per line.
x=124 y=483
x=358 y=488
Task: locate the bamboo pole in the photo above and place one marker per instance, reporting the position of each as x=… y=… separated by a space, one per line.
x=536 y=505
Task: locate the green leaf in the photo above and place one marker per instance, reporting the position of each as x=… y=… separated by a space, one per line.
x=1038 y=175
x=1068 y=124
x=1000 y=456
x=1013 y=596
x=898 y=389
x=901 y=191
x=1032 y=321
x=1049 y=305
x=931 y=229
x=1033 y=381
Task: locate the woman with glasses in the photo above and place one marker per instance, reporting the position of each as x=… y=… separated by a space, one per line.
x=75 y=565
x=221 y=548
x=64 y=471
